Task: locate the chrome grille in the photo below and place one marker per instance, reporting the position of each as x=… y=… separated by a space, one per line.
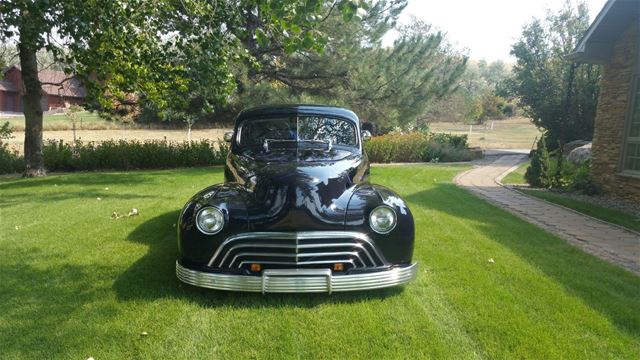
x=308 y=249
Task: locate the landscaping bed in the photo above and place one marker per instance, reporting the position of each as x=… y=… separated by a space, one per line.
x=77 y=282
x=601 y=207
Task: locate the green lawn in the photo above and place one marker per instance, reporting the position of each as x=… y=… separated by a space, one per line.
x=87 y=120
x=516 y=177
x=75 y=283
x=599 y=212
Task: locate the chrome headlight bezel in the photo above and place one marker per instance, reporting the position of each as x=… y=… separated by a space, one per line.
x=373 y=224
x=216 y=213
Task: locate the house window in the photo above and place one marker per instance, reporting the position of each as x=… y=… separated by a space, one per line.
x=631 y=160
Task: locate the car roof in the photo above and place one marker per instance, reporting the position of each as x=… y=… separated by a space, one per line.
x=290 y=109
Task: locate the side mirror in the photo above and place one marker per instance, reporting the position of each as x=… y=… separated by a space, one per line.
x=228 y=136
x=366 y=135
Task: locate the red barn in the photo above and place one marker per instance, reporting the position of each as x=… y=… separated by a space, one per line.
x=57 y=89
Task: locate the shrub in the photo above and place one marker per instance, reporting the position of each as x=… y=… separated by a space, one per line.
x=543 y=172
x=509 y=110
x=418 y=147
x=457 y=141
x=10 y=161
x=159 y=154
x=129 y=155
x=581 y=180
x=540 y=172
x=5 y=131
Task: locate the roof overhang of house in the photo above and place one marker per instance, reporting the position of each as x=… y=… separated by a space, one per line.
x=7 y=86
x=7 y=68
x=597 y=44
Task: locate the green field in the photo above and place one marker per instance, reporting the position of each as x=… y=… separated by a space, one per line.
x=87 y=120
x=513 y=133
x=598 y=212
x=76 y=284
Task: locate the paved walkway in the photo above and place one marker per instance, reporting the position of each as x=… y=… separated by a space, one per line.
x=608 y=241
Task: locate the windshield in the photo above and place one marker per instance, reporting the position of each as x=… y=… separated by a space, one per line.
x=293 y=130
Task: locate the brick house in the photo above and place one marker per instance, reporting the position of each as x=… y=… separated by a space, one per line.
x=54 y=96
x=613 y=40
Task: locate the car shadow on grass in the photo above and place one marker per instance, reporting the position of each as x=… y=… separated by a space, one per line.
x=609 y=289
x=95 y=178
x=153 y=277
x=40 y=304
x=13 y=199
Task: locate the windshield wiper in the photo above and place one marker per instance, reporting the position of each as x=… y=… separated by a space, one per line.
x=328 y=143
x=265 y=144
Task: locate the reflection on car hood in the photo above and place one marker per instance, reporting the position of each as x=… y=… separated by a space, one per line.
x=290 y=191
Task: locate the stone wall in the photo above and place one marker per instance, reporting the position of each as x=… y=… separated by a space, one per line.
x=610 y=124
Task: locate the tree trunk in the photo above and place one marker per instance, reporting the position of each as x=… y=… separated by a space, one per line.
x=33 y=157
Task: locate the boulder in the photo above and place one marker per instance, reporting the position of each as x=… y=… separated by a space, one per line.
x=571 y=145
x=580 y=154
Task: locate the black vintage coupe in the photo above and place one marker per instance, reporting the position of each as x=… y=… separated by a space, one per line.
x=296 y=212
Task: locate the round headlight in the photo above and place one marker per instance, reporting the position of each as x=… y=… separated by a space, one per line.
x=382 y=219
x=210 y=220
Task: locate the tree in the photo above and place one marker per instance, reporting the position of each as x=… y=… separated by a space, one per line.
x=394 y=86
x=476 y=96
x=161 y=52
x=280 y=76
x=557 y=95
x=6 y=55
x=390 y=86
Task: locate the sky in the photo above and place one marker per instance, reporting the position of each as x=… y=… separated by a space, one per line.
x=486 y=28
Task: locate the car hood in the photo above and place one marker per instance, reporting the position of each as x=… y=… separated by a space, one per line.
x=301 y=194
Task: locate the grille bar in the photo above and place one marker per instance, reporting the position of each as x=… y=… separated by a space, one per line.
x=303 y=248
x=296 y=256
x=267 y=245
x=315 y=262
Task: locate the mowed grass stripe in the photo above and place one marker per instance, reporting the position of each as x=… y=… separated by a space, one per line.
x=74 y=283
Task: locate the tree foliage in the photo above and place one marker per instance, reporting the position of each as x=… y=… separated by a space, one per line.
x=394 y=86
x=321 y=73
x=166 y=52
x=7 y=53
x=390 y=86
x=477 y=96
x=557 y=95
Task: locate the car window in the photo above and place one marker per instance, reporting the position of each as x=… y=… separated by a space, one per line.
x=338 y=131
x=298 y=129
x=255 y=132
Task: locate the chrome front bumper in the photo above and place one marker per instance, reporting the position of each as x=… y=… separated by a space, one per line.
x=298 y=280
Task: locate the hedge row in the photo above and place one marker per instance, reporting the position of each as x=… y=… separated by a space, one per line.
x=418 y=147
x=129 y=155
x=159 y=154
x=10 y=162
x=120 y=155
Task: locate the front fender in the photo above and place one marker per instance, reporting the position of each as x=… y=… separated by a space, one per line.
x=396 y=246
x=196 y=248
